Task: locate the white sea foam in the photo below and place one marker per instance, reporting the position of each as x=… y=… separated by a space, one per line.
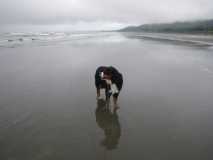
x=14 y=39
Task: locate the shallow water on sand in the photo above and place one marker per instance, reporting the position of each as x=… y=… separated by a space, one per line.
x=48 y=107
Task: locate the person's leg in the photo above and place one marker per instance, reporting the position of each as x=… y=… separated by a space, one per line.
x=98 y=86
x=98 y=81
x=98 y=92
x=115 y=98
x=107 y=93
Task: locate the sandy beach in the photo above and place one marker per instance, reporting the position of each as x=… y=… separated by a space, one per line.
x=48 y=107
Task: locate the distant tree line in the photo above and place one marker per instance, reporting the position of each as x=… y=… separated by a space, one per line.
x=205 y=26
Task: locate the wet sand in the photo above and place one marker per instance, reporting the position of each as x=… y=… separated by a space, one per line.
x=48 y=107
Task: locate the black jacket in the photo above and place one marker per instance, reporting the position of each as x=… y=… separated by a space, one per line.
x=117 y=77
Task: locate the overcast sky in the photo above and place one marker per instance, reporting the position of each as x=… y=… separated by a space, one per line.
x=102 y=12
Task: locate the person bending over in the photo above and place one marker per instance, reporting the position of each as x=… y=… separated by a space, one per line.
x=111 y=80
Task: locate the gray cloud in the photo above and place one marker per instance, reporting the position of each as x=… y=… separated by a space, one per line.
x=90 y=11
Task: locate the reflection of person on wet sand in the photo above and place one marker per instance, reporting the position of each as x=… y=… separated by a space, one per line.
x=109 y=123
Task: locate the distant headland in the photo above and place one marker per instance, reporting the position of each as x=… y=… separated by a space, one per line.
x=201 y=26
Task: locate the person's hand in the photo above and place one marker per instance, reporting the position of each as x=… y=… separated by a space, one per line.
x=109 y=82
x=114 y=88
